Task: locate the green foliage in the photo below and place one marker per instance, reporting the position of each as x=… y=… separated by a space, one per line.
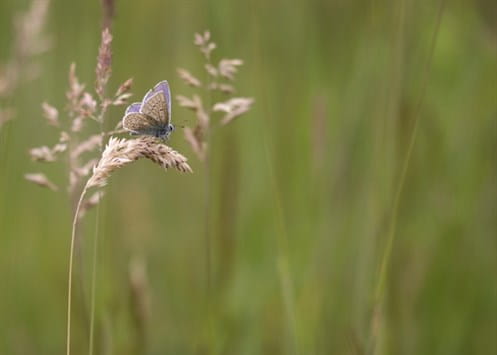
x=301 y=188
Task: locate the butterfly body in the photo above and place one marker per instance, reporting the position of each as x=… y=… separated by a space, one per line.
x=152 y=116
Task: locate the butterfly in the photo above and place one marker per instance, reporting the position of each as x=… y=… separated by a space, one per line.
x=152 y=116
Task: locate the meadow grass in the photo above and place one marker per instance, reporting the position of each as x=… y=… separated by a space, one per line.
x=351 y=210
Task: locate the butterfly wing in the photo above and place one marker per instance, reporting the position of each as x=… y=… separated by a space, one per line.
x=161 y=87
x=134 y=107
x=155 y=108
x=138 y=123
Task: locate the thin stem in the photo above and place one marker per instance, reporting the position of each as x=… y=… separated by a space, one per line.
x=282 y=262
x=95 y=248
x=207 y=240
x=207 y=236
x=93 y=281
x=393 y=220
x=385 y=261
x=281 y=237
x=69 y=282
x=208 y=261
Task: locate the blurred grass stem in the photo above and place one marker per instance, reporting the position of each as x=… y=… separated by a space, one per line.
x=71 y=259
x=385 y=261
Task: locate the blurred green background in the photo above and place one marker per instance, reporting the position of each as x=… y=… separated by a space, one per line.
x=301 y=188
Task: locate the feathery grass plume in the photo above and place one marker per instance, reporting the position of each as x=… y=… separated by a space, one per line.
x=188 y=78
x=46 y=154
x=204 y=43
x=29 y=42
x=41 y=180
x=51 y=114
x=233 y=108
x=221 y=78
x=121 y=152
x=104 y=60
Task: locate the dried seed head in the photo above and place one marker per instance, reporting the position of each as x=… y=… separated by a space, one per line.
x=104 y=61
x=88 y=145
x=120 y=152
x=51 y=114
x=124 y=87
x=225 y=70
x=229 y=67
x=188 y=78
x=59 y=148
x=41 y=180
x=46 y=154
x=75 y=88
x=196 y=139
x=122 y=99
x=43 y=153
x=85 y=169
x=211 y=70
x=195 y=104
x=233 y=108
x=87 y=105
x=202 y=41
x=224 y=88
x=64 y=137
x=186 y=102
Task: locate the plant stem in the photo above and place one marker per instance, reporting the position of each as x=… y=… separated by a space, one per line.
x=282 y=258
x=93 y=281
x=95 y=249
x=69 y=282
x=385 y=261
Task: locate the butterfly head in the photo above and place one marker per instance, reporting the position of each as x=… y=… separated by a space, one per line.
x=164 y=133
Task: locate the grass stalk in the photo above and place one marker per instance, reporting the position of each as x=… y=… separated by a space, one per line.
x=393 y=220
x=71 y=259
x=282 y=263
x=93 y=282
x=103 y=110
x=387 y=253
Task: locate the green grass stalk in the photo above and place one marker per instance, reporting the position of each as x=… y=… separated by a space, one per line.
x=71 y=262
x=387 y=253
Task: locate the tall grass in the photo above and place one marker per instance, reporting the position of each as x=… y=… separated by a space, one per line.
x=350 y=211
x=379 y=294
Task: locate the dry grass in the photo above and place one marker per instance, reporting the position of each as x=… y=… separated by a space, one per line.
x=220 y=79
x=41 y=180
x=121 y=152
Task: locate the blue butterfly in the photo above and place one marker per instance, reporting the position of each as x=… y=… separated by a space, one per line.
x=152 y=116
